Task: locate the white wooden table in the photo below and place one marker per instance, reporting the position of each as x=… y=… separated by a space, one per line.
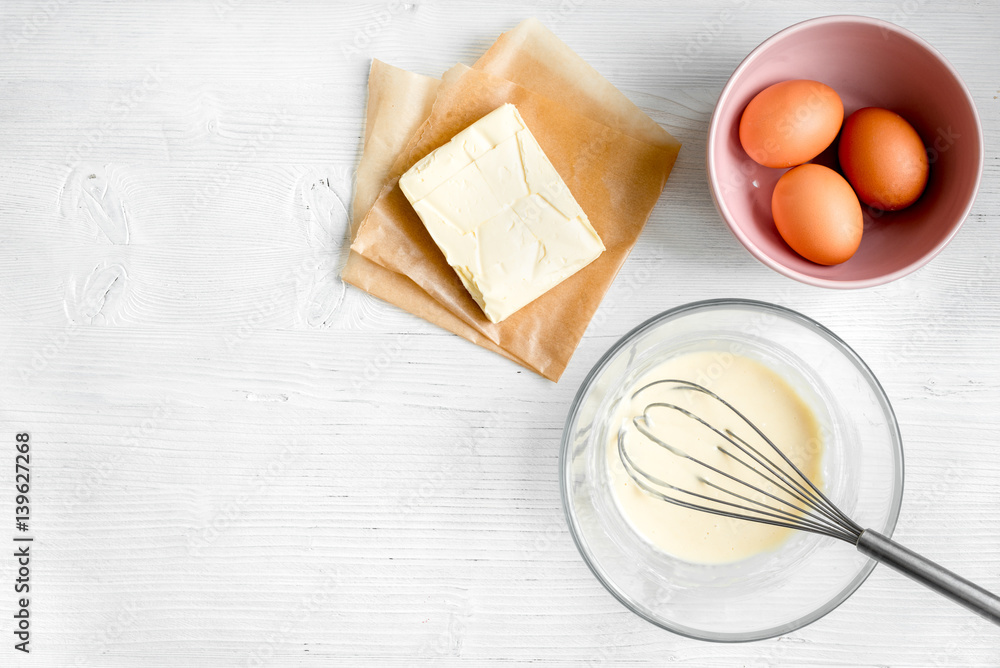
x=237 y=461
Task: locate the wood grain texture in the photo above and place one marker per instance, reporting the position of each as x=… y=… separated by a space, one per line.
x=239 y=461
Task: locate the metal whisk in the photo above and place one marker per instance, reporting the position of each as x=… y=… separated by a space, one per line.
x=775 y=491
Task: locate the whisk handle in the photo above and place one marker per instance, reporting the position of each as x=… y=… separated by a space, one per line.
x=930 y=574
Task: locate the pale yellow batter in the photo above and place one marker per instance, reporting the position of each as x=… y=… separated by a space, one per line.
x=756 y=391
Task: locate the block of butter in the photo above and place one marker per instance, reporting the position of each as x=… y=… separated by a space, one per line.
x=500 y=213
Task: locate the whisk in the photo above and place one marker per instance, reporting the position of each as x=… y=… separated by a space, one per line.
x=775 y=491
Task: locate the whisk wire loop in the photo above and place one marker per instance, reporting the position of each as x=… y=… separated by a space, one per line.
x=809 y=509
x=810 y=495
x=643 y=479
x=643 y=428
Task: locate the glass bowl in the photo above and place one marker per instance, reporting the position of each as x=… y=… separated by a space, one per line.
x=771 y=593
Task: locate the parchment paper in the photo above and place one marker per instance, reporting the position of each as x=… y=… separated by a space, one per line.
x=616 y=173
x=398 y=103
x=530 y=55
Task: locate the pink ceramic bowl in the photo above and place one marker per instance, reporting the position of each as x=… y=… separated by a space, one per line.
x=870 y=63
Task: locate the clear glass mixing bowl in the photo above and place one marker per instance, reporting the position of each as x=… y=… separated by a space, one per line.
x=771 y=593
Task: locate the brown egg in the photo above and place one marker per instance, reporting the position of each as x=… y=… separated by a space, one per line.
x=817 y=214
x=790 y=123
x=883 y=158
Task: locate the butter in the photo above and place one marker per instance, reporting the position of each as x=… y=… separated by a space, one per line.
x=501 y=214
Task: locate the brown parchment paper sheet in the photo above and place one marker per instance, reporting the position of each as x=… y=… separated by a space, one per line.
x=615 y=166
x=530 y=55
x=398 y=103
